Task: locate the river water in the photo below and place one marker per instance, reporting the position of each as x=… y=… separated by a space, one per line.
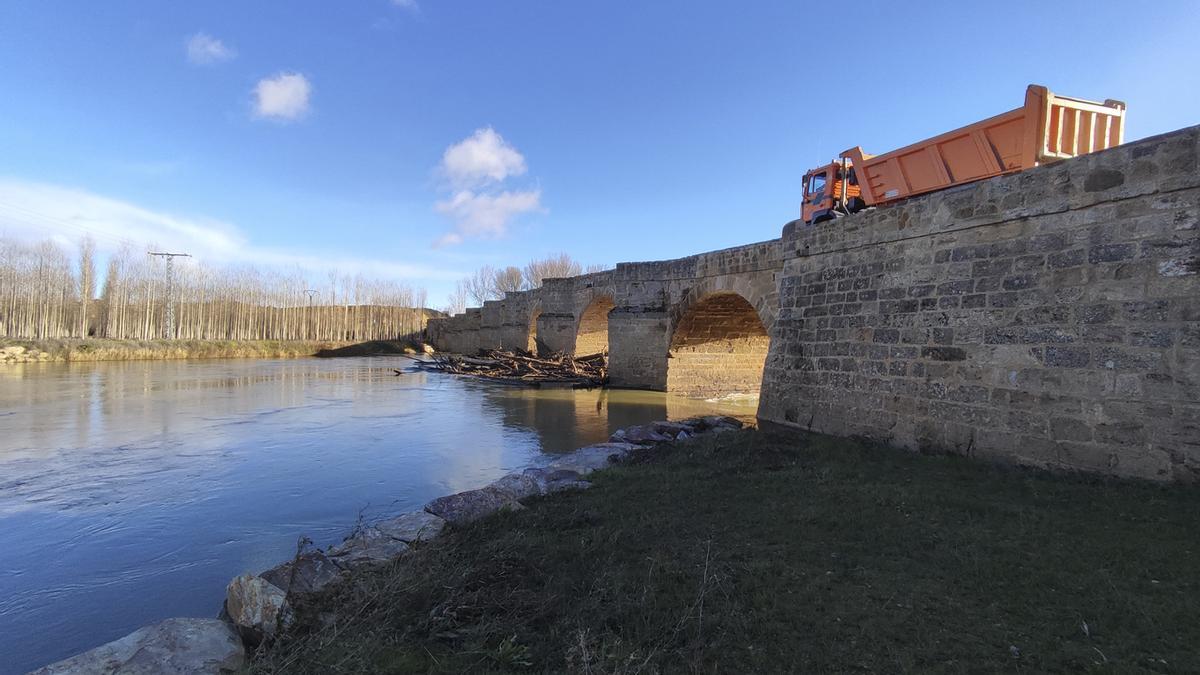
x=134 y=491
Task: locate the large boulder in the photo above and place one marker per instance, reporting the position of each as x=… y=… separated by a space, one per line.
x=590 y=458
x=644 y=433
x=258 y=608
x=539 y=481
x=671 y=429
x=171 y=647
x=413 y=526
x=369 y=546
x=469 y=506
x=307 y=573
x=518 y=485
x=722 y=421
x=556 y=480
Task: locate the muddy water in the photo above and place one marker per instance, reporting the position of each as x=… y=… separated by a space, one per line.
x=133 y=491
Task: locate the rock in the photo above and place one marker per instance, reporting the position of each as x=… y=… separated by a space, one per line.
x=518 y=485
x=171 y=647
x=538 y=481
x=556 y=480
x=588 y=459
x=669 y=429
x=370 y=546
x=469 y=506
x=258 y=608
x=313 y=571
x=715 y=421
x=414 y=526
x=639 y=434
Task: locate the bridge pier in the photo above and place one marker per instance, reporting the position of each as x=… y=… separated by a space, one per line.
x=555 y=333
x=637 y=357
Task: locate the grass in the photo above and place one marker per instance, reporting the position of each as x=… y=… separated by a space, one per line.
x=750 y=552
x=103 y=349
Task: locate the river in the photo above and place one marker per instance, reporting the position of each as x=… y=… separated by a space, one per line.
x=134 y=491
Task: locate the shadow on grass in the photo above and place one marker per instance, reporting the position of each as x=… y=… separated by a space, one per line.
x=753 y=552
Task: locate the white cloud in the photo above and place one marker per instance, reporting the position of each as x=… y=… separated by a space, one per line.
x=484 y=215
x=284 y=97
x=481 y=158
x=37 y=211
x=410 y=5
x=204 y=50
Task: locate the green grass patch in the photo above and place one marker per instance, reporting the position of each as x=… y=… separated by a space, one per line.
x=751 y=552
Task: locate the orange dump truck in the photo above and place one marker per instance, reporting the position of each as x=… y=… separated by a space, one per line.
x=1046 y=129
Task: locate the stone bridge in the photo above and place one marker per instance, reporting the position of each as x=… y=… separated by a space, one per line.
x=1050 y=317
x=698 y=326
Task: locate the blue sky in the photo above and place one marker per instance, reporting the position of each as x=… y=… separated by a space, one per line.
x=424 y=138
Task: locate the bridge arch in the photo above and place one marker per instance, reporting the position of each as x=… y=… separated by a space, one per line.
x=718 y=346
x=591 y=331
x=533 y=345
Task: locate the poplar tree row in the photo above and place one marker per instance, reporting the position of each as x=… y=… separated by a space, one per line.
x=47 y=291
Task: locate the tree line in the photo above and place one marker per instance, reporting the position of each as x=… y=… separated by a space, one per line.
x=491 y=283
x=49 y=291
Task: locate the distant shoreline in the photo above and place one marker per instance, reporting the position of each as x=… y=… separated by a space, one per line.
x=15 y=351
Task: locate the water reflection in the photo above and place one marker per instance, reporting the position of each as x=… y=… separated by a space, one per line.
x=133 y=491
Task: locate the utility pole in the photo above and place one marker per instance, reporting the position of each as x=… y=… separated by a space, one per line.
x=310 y=332
x=169 y=319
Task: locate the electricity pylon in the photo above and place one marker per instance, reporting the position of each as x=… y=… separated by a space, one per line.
x=169 y=319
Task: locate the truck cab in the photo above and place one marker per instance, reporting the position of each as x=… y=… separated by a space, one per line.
x=830 y=191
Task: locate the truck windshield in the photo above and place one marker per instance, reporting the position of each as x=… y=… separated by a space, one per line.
x=816 y=184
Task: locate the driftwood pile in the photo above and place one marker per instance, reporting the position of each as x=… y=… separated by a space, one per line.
x=518 y=367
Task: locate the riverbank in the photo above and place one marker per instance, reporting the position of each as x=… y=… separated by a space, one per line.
x=753 y=552
x=100 y=349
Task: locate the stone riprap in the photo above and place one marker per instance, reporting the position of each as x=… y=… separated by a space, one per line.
x=307 y=573
x=467 y=507
x=368 y=545
x=258 y=606
x=412 y=527
x=173 y=646
x=1049 y=317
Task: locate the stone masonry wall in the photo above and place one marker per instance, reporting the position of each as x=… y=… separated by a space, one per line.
x=1050 y=317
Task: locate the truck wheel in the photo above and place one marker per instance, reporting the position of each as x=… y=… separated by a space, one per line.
x=831 y=215
x=855 y=205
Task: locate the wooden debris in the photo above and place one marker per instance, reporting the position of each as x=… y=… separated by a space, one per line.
x=518 y=367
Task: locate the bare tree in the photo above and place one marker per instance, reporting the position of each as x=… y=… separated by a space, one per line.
x=87 y=281
x=458 y=299
x=559 y=266
x=507 y=280
x=479 y=286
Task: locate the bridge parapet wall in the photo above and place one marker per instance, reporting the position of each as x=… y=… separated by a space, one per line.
x=1051 y=317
